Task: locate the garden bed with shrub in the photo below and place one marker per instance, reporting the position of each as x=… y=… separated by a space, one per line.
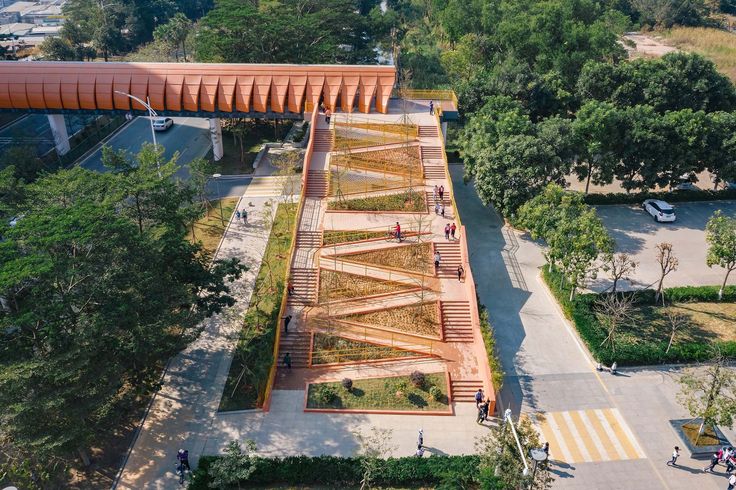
x=412 y=202
x=330 y=349
x=337 y=285
x=639 y=344
x=414 y=392
x=336 y=472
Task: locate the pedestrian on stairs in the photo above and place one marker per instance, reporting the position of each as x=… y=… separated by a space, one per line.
x=442 y=210
x=447 y=231
x=452 y=231
x=434 y=193
x=287 y=360
x=287 y=319
x=460 y=272
x=436 y=207
x=290 y=288
x=431 y=108
x=437 y=258
x=442 y=192
x=328 y=114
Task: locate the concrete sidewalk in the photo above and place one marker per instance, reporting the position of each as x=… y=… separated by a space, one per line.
x=183 y=410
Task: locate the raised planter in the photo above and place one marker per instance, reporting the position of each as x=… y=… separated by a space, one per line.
x=698 y=452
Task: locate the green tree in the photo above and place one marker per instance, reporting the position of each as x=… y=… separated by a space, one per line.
x=598 y=125
x=101 y=288
x=501 y=464
x=720 y=233
x=25 y=162
x=174 y=34
x=710 y=393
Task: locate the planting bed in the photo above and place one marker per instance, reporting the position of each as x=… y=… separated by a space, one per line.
x=415 y=257
x=422 y=319
x=329 y=349
x=336 y=285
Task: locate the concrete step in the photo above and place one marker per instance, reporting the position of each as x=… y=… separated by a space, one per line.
x=308 y=239
x=431 y=152
x=445 y=198
x=457 y=323
x=463 y=390
x=434 y=172
x=428 y=131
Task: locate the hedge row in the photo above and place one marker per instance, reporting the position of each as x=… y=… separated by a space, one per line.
x=580 y=311
x=342 y=472
x=675 y=196
x=489 y=339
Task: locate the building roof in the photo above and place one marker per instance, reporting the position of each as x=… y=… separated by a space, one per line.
x=18 y=7
x=15 y=29
x=195 y=87
x=38 y=30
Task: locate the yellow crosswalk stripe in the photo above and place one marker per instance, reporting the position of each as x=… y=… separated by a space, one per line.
x=589 y=436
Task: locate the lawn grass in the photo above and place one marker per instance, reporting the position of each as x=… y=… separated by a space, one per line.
x=414 y=202
x=329 y=349
x=422 y=319
x=331 y=237
x=715 y=44
x=253 y=357
x=208 y=229
x=334 y=285
x=355 y=182
x=390 y=393
x=707 y=322
x=415 y=257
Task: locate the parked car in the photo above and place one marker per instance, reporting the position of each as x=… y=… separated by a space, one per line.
x=162 y=123
x=660 y=210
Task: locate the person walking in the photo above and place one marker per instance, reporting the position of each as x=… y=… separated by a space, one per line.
x=675 y=455
x=183 y=458
x=244 y=214
x=434 y=193
x=436 y=207
x=731 y=482
x=287 y=319
x=420 y=438
x=447 y=231
x=287 y=360
x=442 y=192
x=452 y=230
x=714 y=461
x=328 y=114
x=442 y=210
x=460 y=272
x=478 y=397
x=482 y=411
x=431 y=107
x=420 y=451
x=397 y=230
x=731 y=463
x=290 y=288
x=437 y=258
x=237 y=215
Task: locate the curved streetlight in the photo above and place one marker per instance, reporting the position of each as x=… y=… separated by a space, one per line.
x=151 y=115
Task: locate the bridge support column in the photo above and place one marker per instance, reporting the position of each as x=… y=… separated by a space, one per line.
x=216 y=137
x=444 y=132
x=61 y=136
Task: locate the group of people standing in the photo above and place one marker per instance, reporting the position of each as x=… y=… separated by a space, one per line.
x=242 y=214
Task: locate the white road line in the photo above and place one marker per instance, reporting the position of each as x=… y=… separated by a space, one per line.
x=578 y=439
x=629 y=433
x=611 y=434
x=594 y=435
x=566 y=456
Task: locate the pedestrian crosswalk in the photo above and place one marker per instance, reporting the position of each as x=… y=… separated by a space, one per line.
x=273 y=186
x=578 y=436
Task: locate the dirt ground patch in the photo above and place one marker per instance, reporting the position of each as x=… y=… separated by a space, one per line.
x=335 y=286
x=334 y=349
x=707 y=322
x=420 y=318
x=416 y=257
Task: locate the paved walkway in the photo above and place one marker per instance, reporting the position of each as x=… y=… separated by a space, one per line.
x=605 y=432
x=183 y=410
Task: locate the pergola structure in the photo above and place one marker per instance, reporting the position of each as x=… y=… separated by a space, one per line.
x=211 y=90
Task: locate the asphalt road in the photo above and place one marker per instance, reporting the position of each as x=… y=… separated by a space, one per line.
x=189 y=136
x=34 y=130
x=637 y=234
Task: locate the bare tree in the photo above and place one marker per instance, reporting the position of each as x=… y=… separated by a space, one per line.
x=675 y=321
x=613 y=311
x=667 y=263
x=374 y=446
x=619 y=266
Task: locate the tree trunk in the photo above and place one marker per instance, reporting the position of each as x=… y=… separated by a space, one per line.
x=615 y=282
x=184 y=50
x=659 y=290
x=572 y=292
x=84 y=456
x=723 y=286
x=587 y=181
x=672 y=337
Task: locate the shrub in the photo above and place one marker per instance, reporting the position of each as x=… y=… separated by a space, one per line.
x=580 y=312
x=347 y=383
x=418 y=379
x=675 y=196
x=435 y=393
x=489 y=339
x=348 y=472
x=325 y=394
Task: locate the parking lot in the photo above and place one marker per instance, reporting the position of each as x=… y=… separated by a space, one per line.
x=637 y=233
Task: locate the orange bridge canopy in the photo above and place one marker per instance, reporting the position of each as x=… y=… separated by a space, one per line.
x=225 y=90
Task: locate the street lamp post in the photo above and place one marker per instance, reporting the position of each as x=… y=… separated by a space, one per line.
x=507 y=418
x=219 y=197
x=539 y=456
x=151 y=115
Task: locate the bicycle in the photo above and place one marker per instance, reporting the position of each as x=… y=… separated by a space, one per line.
x=391 y=235
x=182 y=472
